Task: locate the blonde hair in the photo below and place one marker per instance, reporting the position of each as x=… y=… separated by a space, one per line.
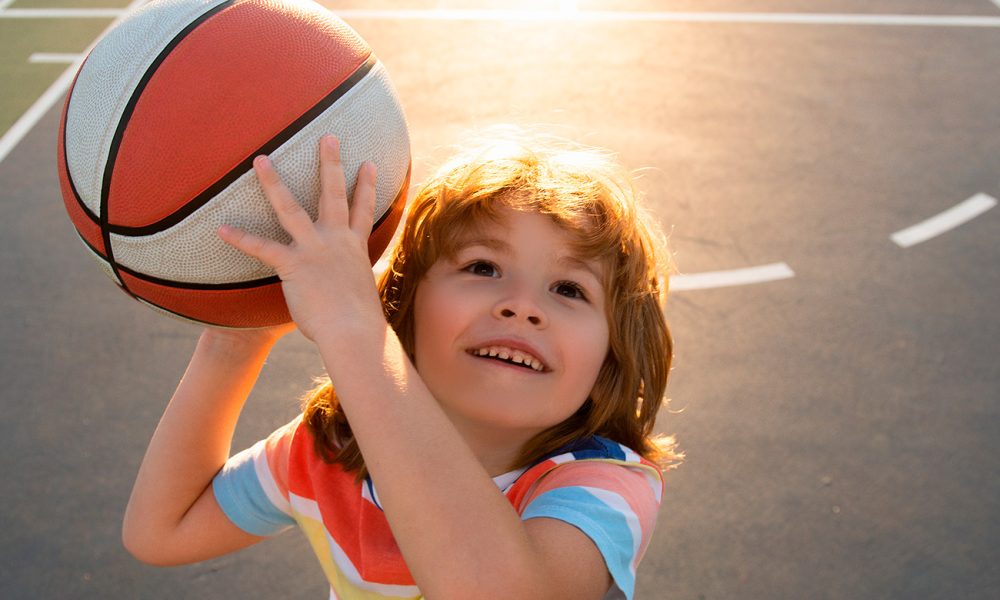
x=585 y=192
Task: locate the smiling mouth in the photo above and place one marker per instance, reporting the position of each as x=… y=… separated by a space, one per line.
x=511 y=356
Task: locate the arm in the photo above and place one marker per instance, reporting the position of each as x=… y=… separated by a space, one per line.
x=460 y=537
x=172 y=516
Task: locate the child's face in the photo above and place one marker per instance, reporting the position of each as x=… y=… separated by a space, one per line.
x=515 y=288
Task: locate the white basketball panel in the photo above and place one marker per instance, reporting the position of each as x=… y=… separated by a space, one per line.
x=107 y=80
x=370 y=123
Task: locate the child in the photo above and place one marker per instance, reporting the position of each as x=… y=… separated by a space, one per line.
x=486 y=431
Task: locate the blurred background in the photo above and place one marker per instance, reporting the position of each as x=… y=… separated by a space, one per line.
x=837 y=393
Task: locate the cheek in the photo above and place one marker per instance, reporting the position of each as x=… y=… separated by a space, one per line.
x=593 y=345
x=430 y=327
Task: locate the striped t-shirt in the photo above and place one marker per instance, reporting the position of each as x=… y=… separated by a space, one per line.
x=601 y=487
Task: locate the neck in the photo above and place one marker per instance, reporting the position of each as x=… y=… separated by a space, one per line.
x=497 y=450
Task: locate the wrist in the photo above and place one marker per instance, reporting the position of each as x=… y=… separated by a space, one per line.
x=355 y=343
x=237 y=343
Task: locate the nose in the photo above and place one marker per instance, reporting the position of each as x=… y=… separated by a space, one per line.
x=521 y=306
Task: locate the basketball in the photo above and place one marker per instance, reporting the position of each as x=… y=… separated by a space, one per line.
x=164 y=118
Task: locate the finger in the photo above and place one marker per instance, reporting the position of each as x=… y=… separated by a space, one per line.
x=291 y=215
x=363 y=205
x=266 y=251
x=333 y=187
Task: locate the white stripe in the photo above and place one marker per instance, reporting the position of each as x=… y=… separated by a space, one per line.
x=669 y=17
x=621 y=506
x=352 y=575
x=266 y=478
x=654 y=481
x=940 y=223
x=51 y=58
x=369 y=493
x=23 y=125
x=584 y=16
x=62 y=13
x=747 y=276
x=305 y=507
x=562 y=458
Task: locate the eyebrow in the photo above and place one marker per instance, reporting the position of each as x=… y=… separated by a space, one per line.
x=491 y=243
x=572 y=262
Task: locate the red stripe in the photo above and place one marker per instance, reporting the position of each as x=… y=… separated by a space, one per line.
x=227 y=88
x=256 y=307
x=381 y=237
x=359 y=527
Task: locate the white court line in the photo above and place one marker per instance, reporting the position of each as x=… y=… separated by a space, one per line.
x=715 y=279
x=53 y=58
x=677 y=17
x=942 y=222
x=61 y=13
x=23 y=125
x=583 y=16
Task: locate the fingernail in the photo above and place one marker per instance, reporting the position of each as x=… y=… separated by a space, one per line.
x=330 y=141
x=261 y=161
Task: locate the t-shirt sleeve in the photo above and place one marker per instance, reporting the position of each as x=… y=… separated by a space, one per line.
x=613 y=504
x=252 y=489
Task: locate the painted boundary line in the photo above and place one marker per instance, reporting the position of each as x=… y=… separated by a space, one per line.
x=945 y=221
x=51 y=96
x=716 y=279
x=48 y=58
x=62 y=13
x=584 y=17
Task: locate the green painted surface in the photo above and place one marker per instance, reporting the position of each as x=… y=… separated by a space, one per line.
x=22 y=82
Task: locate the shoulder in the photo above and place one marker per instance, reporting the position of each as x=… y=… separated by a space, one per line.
x=597 y=467
x=603 y=489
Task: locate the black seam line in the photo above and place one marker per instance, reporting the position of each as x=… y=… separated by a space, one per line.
x=239 y=285
x=69 y=176
x=116 y=141
x=182 y=285
x=185 y=285
x=247 y=163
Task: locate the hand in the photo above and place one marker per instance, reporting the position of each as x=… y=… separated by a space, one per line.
x=325 y=272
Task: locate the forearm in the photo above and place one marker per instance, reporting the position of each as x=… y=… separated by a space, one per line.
x=444 y=509
x=193 y=438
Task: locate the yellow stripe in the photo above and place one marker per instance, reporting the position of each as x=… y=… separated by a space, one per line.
x=316 y=533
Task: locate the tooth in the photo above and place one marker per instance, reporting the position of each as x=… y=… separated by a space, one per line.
x=517 y=358
x=493 y=351
x=504 y=354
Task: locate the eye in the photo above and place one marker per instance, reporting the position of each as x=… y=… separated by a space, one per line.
x=483 y=268
x=570 y=289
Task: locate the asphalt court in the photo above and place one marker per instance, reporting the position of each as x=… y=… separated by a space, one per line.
x=838 y=389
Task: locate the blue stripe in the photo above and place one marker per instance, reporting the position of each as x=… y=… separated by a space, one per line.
x=592 y=447
x=242 y=498
x=605 y=526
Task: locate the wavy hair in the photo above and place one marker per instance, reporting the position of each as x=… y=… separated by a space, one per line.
x=587 y=193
